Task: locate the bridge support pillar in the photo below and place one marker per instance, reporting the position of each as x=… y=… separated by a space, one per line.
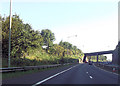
x=97 y=58
x=89 y=58
x=84 y=58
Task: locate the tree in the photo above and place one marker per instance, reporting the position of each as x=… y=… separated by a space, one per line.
x=71 y=49
x=58 y=50
x=5 y=37
x=48 y=37
x=22 y=37
x=66 y=45
x=75 y=49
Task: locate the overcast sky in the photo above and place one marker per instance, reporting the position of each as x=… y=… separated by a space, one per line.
x=95 y=22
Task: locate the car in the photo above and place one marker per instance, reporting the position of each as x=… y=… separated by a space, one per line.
x=90 y=63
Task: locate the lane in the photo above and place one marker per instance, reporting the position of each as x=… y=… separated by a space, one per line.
x=34 y=77
x=74 y=74
x=84 y=74
x=102 y=77
x=53 y=76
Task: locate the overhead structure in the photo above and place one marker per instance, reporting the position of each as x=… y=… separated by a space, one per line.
x=99 y=53
x=96 y=54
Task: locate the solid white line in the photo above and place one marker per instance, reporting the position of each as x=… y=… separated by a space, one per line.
x=106 y=70
x=53 y=76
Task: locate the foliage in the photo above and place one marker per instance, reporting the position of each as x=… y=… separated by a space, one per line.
x=22 y=37
x=70 y=48
x=26 y=45
x=101 y=58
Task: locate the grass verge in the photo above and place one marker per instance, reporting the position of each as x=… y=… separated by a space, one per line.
x=21 y=73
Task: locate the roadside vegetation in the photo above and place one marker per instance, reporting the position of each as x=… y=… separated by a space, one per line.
x=27 y=45
x=101 y=58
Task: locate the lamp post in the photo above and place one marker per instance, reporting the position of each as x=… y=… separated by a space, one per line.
x=10 y=33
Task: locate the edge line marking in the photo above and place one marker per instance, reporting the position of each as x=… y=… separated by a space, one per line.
x=53 y=76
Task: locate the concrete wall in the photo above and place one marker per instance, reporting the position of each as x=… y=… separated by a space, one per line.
x=115 y=56
x=118 y=54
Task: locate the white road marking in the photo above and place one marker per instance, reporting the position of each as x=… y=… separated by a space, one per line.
x=106 y=71
x=91 y=77
x=53 y=76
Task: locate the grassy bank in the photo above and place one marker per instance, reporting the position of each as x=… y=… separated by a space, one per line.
x=35 y=57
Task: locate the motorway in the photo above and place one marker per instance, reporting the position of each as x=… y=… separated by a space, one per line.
x=74 y=74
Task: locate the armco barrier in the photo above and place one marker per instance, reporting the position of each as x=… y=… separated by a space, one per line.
x=26 y=68
x=11 y=69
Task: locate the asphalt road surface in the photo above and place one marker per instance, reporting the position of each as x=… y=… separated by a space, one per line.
x=74 y=74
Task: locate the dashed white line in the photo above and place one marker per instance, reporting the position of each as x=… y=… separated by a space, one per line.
x=53 y=76
x=91 y=77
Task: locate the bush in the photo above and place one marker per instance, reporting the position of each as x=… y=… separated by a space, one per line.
x=23 y=62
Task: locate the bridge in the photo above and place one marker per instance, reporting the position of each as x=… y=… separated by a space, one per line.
x=113 y=52
x=96 y=54
x=99 y=53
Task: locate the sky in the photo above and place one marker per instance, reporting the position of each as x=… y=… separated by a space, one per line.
x=95 y=22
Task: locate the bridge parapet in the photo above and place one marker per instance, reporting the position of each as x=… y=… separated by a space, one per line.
x=99 y=53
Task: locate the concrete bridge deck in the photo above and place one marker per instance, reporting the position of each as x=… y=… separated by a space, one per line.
x=99 y=53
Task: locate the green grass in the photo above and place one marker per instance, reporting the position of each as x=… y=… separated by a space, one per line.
x=21 y=62
x=18 y=74
x=4 y=62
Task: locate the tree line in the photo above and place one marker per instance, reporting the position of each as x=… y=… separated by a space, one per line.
x=24 y=38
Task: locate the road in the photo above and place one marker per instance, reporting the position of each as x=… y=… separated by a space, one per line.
x=74 y=74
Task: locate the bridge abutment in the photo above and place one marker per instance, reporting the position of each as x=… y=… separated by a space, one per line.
x=97 y=58
x=115 y=55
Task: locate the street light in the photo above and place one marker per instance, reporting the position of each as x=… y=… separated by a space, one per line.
x=10 y=33
x=72 y=36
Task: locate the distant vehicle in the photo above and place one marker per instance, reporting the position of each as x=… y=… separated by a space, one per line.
x=90 y=63
x=85 y=61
